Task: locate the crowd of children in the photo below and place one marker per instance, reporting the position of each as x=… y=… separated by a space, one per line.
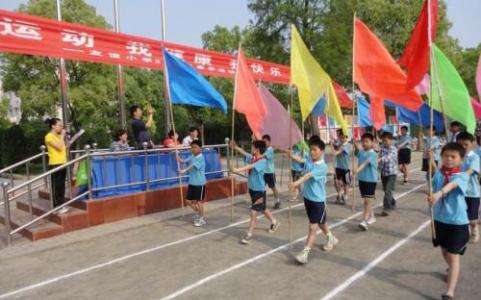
x=454 y=169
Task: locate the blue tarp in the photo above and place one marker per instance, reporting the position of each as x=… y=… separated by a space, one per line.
x=117 y=170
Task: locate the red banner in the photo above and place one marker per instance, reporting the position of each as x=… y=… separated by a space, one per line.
x=26 y=34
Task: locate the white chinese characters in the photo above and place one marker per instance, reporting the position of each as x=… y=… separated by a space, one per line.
x=78 y=39
x=20 y=29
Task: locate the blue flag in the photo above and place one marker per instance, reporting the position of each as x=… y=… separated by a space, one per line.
x=363 y=111
x=187 y=86
x=420 y=118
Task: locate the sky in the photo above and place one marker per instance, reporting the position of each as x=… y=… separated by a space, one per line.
x=188 y=19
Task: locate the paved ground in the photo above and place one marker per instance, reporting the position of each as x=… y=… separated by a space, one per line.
x=163 y=257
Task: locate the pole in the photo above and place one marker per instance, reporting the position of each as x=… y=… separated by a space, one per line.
x=431 y=116
x=168 y=105
x=120 y=76
x=354 y=102
x=232 y=140
x=166 y=91
x=289 y=109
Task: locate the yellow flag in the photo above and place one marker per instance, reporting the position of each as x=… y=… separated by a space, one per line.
x=312 y=81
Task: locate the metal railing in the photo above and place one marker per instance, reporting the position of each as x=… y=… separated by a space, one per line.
x=12 y=193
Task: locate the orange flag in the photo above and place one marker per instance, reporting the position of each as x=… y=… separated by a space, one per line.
x=342 y=96
x=415 y=57
x=377 y=73
x=247 y=99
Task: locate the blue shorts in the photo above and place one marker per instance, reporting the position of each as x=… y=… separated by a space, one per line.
x=270 y=179
x=316 y=211
x=255 y=196
x=367 y=189
x=473 y=208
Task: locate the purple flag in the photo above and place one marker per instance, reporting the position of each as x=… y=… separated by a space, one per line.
x=276 y=122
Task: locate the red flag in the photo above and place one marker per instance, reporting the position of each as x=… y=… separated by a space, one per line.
x=378 y=114
x=376 y=72
x=247 y=99
x=415 y=57
x=342 y=96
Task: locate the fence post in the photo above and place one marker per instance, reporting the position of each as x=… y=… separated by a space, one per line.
x=29 y=187
x=6 y=205
x=89 y=171
x=44 y=164
x=146 y=167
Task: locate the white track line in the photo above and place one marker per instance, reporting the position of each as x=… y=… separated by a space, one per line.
x=265 y=254
x=333 y=293
x=135 y=254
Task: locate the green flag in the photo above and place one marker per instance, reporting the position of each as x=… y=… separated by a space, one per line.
x=449 y=93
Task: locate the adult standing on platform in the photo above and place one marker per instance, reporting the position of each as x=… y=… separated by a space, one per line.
x=139 y=128
x=57 y=156
x=193 y=135
x=455 y=129
x=404 y=152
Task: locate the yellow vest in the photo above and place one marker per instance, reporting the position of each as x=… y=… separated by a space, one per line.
x=55 y=157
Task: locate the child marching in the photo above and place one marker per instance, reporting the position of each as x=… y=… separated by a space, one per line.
x=314 y=191
x=388 y=168
x=196 y=188
x=404 y=154
x=367 y=175
x=432 y=147
x=296 y=168
x=342 y=152
x=256 y=165
x=270 y=172
x=451 y=222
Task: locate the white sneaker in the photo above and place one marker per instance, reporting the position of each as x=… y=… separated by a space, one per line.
x=197 y=223
x=274 y=226
x=364 y=226
x=63 y=210
x=202 y=221
x=302 y=257
x=331 y=242
x=246 y=239
x=371 y=220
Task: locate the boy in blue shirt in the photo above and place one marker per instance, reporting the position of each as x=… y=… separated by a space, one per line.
x=451 y=222
x=197 y=181
x=270 y=173
x=256 y=165
x=314 y=180
x=471 y=166
x=296 y=168
x=404 y=152
x=342 y=152
x=367 y=175
x=435 y=151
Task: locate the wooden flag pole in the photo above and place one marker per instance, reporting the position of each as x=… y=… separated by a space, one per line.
x=354 y=102
x=289 y=109
x=431 y=116
x=172 y=123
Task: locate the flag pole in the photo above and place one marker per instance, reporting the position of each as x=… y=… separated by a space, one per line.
x=172 y=123
x=289 y=109
x=431 y=117
x=232 y=194
x=354 y=104
x=168 y=105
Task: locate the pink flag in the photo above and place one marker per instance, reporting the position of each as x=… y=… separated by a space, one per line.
x=276 y=122
x=424 y=86
x=478 y=78
x=476 y=108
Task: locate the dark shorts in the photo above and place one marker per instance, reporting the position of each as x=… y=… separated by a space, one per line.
x=367 y=189
x=256 y=195
x=296 y=175
x=270 y=179
x=404 y=156
x=452 y=238
x=343 y=175
x=473 y=208
x=316 y=211
x=195 y=192
x=425 y=166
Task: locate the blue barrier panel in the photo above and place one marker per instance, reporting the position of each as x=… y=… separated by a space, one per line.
x=124 y=169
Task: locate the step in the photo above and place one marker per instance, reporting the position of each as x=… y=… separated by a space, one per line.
x=45 y=195
x=76 y=218
x=41 y=230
